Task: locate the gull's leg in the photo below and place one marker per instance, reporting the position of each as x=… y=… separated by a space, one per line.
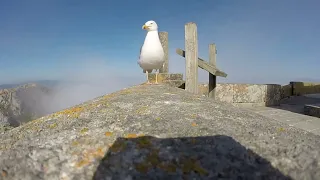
x=157 y=72
x=147 y=74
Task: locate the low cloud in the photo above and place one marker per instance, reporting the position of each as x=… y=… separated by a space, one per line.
x=87 y=80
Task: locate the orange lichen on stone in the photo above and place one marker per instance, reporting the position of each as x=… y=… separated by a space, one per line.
x=98 y=153
x=194 y=124
x=4 y=173
x=89 y=156
x=130 y=136
x=72 y=112
x=82 y=163
x=108 y=134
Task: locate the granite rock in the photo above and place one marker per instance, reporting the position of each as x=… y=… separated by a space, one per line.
x=157 y=132
x=21 y=104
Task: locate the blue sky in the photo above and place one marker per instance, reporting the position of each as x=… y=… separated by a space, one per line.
x=258 y=41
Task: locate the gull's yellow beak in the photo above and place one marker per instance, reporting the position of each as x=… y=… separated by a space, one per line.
x=145 y=27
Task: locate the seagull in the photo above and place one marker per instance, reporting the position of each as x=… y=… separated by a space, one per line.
x=151 y=52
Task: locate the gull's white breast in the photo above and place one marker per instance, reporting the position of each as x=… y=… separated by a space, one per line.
x=152 y=54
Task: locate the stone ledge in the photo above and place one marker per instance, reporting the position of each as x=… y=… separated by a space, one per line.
x=256 y=94
x=267 y=94
x=174 y=83
x=101 y=138
x=301 y=88
x=165 y=77
x=312 y=110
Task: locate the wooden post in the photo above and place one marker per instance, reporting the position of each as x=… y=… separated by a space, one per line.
x=164 y=42
x=212 y=78
x=191 y=48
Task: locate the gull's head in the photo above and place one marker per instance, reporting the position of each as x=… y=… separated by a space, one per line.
x=150 y=26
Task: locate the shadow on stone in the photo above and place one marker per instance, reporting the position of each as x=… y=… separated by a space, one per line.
x=209 y=157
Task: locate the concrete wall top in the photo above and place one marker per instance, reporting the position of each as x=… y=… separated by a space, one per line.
x=264 y=94
x=301 y=88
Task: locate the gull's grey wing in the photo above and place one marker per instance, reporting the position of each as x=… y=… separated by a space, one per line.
x=140 y=51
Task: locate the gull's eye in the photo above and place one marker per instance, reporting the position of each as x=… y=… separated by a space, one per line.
x=151 y=23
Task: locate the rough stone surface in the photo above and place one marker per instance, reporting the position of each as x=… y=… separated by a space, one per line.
x=249 y=94
x=18 y=105
x=165 y=77
x=289 y=114
x=286 y=91
x=175 y=83
x=312 y=110
x=157 y=132
x=300 y=100
x=272 y=95
x=301 y=88
x=224 y=92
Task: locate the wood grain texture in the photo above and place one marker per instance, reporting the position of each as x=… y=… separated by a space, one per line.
x=165 y=45
x=191 y=56
x=212 y=77
x=204 y=65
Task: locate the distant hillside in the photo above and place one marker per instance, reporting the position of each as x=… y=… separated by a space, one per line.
x=46 y=83
x=21 y=104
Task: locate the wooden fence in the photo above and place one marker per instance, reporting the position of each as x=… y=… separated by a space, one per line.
x=193 y=61
x=164 y=42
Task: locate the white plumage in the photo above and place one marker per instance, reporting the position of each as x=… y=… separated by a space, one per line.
x=151 y=53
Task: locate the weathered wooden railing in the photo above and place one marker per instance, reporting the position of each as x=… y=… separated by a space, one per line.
x=268 y=94
x=164 y=42
x=193 y=61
